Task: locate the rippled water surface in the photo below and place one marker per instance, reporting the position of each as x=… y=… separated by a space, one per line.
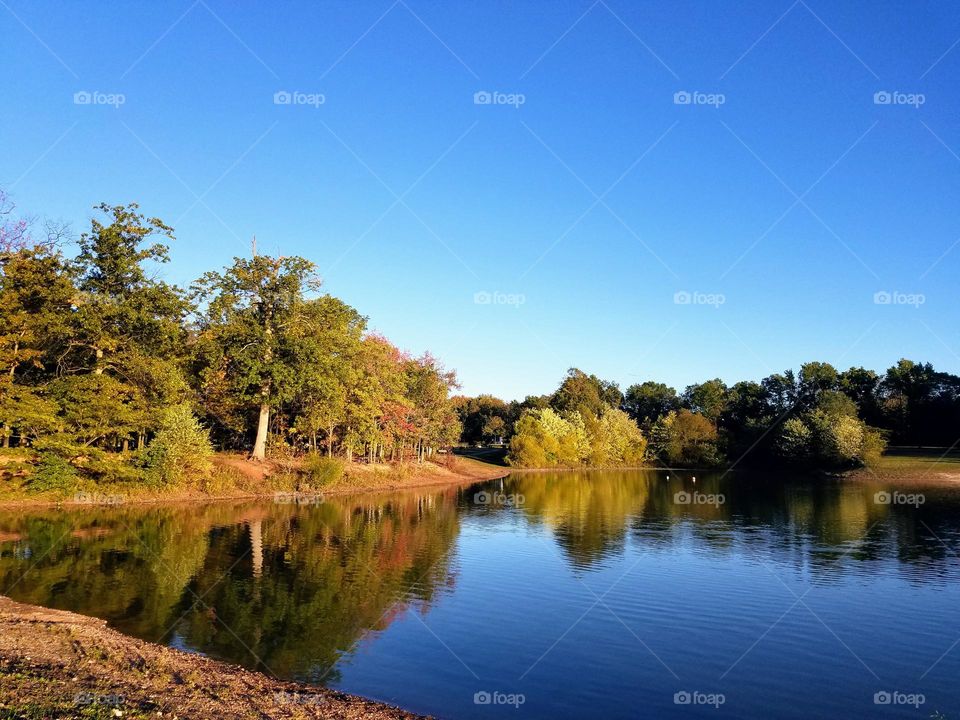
x=600 y=594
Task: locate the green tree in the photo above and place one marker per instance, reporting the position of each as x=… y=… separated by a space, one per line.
x=181 y=448
x=649 y=401
x=256 y=312
x=707 y=398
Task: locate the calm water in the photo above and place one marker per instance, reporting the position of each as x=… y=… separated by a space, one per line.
x=598 y=595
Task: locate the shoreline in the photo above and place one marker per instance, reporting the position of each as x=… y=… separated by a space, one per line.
x=55 y=663
x=363 y=479
x=360 y=479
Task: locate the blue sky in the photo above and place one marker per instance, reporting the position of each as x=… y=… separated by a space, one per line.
x=587 y=217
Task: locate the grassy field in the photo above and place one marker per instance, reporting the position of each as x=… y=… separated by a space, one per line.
x=911 y=463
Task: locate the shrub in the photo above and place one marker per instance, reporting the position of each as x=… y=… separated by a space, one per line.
x=181 y=447
x=53 y=473
x=322 y=470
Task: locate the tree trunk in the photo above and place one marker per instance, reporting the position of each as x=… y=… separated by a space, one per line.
x=260 y=446
x=330 y=441
x=6 y=436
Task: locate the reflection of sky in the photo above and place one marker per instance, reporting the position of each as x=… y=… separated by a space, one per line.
x=838 y=624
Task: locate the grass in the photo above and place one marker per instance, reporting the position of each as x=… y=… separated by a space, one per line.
x=910 y=462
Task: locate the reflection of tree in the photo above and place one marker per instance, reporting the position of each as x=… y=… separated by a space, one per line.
x=328 y=574
x=830 y=527
x=293 y=588
x=126 y=565
x=587 y=512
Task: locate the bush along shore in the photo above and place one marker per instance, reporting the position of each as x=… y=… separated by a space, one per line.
x=57 y=664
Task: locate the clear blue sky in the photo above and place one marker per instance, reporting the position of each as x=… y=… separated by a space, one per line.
x=594 y=202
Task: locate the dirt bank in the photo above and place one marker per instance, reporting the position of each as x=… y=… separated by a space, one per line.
x=56 y=664
x=240 y=478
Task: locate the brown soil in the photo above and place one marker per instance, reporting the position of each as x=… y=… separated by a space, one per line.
x=56 y=664
x=253 y=479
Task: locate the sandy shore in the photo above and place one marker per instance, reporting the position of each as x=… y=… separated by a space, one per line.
x=57 y=664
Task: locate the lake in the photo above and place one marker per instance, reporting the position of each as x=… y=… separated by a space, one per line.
x=615 y=594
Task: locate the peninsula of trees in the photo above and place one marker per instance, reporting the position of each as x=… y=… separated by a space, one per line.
x=107 y=372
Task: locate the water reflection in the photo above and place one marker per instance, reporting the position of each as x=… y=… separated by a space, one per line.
x=292 y=589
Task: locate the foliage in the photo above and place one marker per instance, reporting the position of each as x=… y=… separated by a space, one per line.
x=108 y=367
x=181 y=448
x=649 y=401
x=830 y=436
x=685 y=438
x=617 y=440
x=53 y=473
x=322 y=471
x=545 y=438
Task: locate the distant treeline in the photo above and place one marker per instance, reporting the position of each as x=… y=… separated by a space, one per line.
x=818 y=417
x=108 y=371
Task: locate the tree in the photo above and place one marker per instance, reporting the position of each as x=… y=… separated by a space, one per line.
x=586 y=394
x=545 y=438
x=861 y=386
x=617 y=440
x=181 y=447
x=814 y=378
x=256 y=312
x=484 y=417
x=707 y=398
x=121 y=309
x=14 y=232
x=36 y=296
x=329 y=345
x=685 y=438
x=649 y=401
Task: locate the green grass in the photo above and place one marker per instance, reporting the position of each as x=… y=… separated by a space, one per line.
x=917 y=461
